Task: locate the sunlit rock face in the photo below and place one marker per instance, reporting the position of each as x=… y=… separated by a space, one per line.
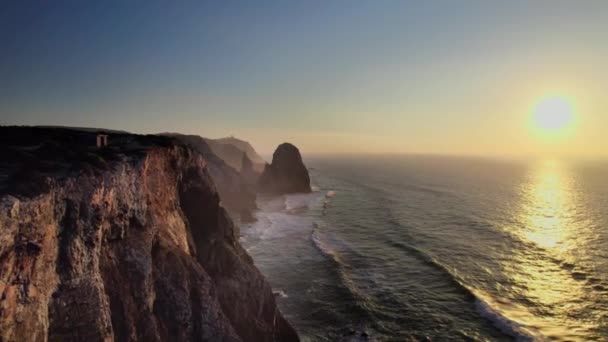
x=127 y=242
x=286 y=174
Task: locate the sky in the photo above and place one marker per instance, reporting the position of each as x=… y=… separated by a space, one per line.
x=386 y=76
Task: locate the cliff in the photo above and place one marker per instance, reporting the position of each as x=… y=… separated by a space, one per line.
x=231 y=150
x=231 y=184
x=127 y=242
x=286 y=174
x=248 y=174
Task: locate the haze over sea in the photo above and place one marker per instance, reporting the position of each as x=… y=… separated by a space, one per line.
x=443 y=248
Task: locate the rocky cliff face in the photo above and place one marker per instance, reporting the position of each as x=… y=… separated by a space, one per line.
x=286 y=174
x=123 y=243
x=236 y=196
x=230 y=149
x=248 y=174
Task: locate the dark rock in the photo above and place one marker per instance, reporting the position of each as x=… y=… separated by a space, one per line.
x=286 y=174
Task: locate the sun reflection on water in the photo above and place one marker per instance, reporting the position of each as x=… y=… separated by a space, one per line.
x=545 y=284
x=548 y=199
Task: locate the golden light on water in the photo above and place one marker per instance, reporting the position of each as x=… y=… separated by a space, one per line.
x=547 y=288
x=548 y=202
x=545 y=274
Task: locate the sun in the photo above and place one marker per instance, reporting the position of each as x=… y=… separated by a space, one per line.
x=553 y=115
x=553 y=118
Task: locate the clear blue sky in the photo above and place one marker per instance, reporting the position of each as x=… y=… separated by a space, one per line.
x=394 y=76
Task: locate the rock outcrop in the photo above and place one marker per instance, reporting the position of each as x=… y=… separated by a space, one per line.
x=125 y=243
x=248 y=189
x=248 y=174
x=230 y=149
x=236 y=196
x=286 y=174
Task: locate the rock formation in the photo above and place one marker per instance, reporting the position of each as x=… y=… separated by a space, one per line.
x=235 y=196
x=127 y=242
x=230 y=149
x=248 y=189
x=248 y=174
x=286 y=174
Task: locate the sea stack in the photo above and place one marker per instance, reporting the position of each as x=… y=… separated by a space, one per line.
x=286 y=174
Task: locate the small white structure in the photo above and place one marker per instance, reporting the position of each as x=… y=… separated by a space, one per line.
x=102 y=140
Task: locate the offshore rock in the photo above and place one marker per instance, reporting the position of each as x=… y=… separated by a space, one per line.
x=286 y=174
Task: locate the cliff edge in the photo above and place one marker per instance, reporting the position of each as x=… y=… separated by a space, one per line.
x=236 y=196
x=286 y=174
x=123 y=242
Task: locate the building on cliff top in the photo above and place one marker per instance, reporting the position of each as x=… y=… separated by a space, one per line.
x=102 y=140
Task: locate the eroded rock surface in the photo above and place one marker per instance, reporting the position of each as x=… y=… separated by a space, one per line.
x=123 y=243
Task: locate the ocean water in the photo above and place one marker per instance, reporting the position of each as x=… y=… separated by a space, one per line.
x=416 y=248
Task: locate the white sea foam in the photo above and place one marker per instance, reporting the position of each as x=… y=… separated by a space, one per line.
x=280 y=293
x=504 y=324
x=282 y=216
x=284 y=225
x=489 y=309
x=320 y=242
x=298 y=201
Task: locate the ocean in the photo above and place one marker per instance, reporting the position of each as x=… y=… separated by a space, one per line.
x=417 y=248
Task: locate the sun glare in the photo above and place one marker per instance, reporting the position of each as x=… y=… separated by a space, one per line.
x=553 y=115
